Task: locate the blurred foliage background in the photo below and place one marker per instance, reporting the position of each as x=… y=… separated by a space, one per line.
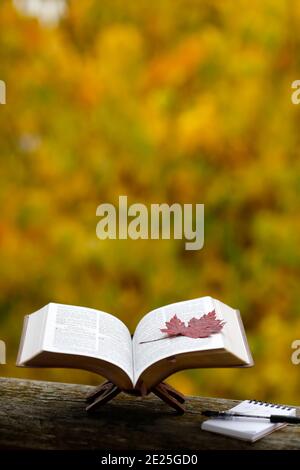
x=165 y=101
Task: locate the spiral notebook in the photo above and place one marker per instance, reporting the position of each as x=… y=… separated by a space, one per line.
x=249 y=429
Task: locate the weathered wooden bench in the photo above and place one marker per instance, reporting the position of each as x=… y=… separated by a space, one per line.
x=45 y=415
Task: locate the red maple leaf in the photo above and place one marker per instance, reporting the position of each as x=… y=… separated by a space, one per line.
x=197 y=327
x=175 y=327
x=203 y=327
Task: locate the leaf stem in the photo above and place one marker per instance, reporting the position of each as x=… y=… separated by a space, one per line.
x=158 y=339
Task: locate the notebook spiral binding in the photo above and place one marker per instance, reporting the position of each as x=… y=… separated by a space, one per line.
x=270 y=405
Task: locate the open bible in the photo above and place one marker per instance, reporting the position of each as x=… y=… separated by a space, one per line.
x=68 y=336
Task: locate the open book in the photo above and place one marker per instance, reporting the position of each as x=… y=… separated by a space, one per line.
x=83 y=338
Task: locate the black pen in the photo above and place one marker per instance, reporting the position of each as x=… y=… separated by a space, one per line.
x=271 y=418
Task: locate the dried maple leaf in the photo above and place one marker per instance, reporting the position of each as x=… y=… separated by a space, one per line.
x=175 y=327
x=197 y=327
x=203 y=327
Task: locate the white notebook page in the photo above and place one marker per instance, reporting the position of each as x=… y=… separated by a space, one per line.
x=249 y=429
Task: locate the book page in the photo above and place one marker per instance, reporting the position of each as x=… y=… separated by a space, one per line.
x=233 y=330
x=32 y=344
x=146 y=354
x=88 y=332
